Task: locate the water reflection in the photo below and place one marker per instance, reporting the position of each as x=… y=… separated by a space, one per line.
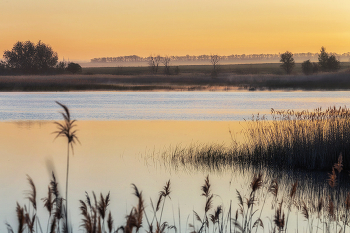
x=115 y=154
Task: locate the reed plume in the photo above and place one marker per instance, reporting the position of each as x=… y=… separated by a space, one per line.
x=20 y=218
x=279 y=217
x=31 y=195
x=256 y=182
x=332 y=180
x=110 y=222
x=66 y=130
x=274 y=188
x=134 y=219
x=102 y=207
x=48 y=202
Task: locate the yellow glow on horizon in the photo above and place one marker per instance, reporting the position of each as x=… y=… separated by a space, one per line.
x=84 y=29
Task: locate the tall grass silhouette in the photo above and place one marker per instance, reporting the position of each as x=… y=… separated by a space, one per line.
x=327 y=213
x=288 y=140
x=66 y=130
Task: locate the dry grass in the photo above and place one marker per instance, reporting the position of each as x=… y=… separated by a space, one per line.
x=183 y=81
x=319 y=215
x=290 y=141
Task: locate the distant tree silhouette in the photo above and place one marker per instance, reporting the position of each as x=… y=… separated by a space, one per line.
x=26 y=57
x=74 y=68
x=214 y=60
x=288 y=61
x=307 y=67
x=166 y=62
x=153 y=62
x=323 y=59
x=2 y=67
x=333 y=63
x=315 y=67
x=326 y=62
x=61 y=67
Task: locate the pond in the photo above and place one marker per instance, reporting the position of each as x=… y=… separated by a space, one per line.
x=121 y=135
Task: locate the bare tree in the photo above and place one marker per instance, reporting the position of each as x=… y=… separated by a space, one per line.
x=153 y=63
x=166 y=62
x=214 y=60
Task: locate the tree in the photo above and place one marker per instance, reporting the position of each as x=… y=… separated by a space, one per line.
x=307 y=67
x=61 y=67
x=326 y=62
x=323 y=59
x=26 y=57
x=214 y=60
x=333 y=63
x=74 y=68
x=288 y=61
x=166 y=62
x=45 y=58
x=153 y=62
x=2 y=67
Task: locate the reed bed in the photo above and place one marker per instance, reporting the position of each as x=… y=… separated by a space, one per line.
x=262 y=207
x=286 y=140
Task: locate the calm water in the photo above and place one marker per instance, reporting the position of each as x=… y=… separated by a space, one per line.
x=214 y=106
x=115 y=153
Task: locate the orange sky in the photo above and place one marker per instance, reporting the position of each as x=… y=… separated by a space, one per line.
x=84 y=29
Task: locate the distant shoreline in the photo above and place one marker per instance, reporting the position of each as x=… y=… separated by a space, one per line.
x=181 y=82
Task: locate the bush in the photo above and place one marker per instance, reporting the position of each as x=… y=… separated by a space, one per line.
x=74 y=68
x=307 y=67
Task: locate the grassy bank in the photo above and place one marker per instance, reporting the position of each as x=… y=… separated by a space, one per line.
x=181 y=82
x=290 y=141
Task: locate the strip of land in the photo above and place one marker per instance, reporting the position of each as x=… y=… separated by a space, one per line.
x=106 y=79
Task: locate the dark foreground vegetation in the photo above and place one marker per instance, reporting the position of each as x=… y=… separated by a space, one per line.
x=288 y=140
x=29 y=58
x=263 y=208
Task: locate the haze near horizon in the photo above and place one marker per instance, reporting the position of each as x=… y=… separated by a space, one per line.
x=81 y=30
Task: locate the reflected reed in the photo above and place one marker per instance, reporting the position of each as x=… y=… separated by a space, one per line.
x=252 y=214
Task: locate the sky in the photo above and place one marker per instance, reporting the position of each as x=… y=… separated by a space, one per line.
x=86 y=29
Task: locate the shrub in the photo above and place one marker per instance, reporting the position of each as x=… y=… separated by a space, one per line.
x=74 y=68
x=307 y=67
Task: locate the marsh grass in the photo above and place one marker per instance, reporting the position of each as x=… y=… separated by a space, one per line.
x=289 y=141
x=251 y=215
x=182 y=81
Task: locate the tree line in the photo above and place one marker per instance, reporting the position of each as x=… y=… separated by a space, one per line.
x=233 y=57
x=29 y=58
x=326 y=63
